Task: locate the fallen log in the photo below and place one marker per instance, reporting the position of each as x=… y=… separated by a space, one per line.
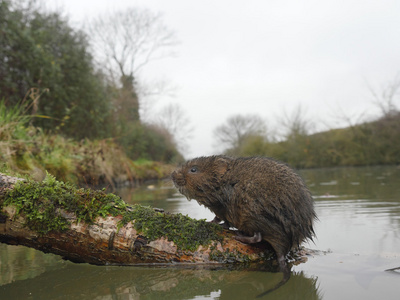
x=83 y=225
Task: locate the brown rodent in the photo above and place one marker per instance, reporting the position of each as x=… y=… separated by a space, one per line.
x=261 y=197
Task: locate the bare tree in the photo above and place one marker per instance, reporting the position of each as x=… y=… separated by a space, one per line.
x=129 y=39
x=151 y=90
x=174 y=119
x=295 y=124
x=233 y=134
x=125 y=42
x=387 y=96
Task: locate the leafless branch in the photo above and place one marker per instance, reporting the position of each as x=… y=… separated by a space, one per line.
x=387 y=95
x=128 y=40
x=237 y=128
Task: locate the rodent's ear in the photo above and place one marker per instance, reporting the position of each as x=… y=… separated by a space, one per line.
x=222 y=166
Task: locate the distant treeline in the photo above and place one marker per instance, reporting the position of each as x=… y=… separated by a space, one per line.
x=369 y=143
x=47 y=67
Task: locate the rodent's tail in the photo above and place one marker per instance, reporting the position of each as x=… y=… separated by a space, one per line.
x=285 y=269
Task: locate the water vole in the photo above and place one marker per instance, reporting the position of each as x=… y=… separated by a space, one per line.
x=263 y=198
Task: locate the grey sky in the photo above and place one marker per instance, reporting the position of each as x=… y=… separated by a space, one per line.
x=264 y=57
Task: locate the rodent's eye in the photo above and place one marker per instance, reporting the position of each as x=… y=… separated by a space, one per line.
x=193 y=170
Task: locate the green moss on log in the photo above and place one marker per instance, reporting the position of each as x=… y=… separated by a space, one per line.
x=42 y=203
x=185 y=232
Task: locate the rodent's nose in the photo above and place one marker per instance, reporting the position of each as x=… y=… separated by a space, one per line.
x=178 y=178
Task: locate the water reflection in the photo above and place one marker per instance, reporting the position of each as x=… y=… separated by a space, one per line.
x=380 y=182
x=164 y=195
x=150 y=194
x=359 y=211
x=91 y=282
x=19 y=262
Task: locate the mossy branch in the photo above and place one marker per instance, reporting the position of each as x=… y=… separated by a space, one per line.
x=90 y=226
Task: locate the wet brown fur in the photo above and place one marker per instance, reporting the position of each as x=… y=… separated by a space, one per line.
x=254 y=194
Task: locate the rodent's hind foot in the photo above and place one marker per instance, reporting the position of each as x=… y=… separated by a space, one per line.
x=256 y=238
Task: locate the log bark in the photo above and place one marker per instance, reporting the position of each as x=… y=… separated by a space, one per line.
x=102 y=242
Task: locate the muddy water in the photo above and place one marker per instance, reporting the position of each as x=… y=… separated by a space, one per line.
x=358 y=230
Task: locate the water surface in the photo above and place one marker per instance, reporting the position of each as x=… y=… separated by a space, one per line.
x=358 y=228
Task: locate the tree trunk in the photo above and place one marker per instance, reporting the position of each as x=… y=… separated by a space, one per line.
x=114 y=239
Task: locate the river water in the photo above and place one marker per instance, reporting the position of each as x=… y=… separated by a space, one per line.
x=358 y=233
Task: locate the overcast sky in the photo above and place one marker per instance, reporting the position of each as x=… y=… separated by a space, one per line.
x=266 y=57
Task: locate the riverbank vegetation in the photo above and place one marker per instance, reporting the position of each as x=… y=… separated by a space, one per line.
x=375 y=142
x=63 y=111
x=26 y=149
